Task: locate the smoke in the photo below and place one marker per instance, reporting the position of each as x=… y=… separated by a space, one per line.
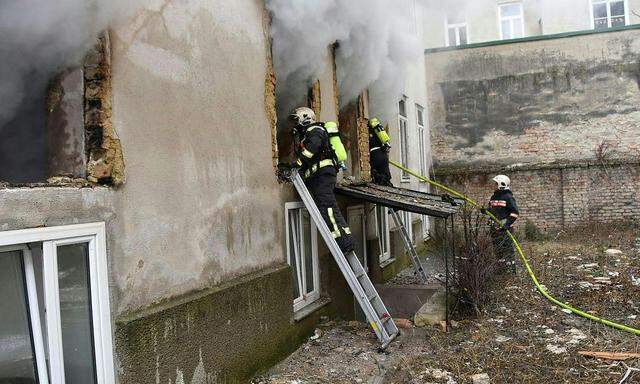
x=376 y=46
x=39 y=38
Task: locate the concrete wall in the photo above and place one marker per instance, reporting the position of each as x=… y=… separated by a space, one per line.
x=556 y=115
x=201 y=205
x=557 y=100
x=197 y=169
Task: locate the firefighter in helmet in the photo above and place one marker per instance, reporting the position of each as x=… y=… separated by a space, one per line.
x=320 y=155
x=503 y=206
x=379 y=153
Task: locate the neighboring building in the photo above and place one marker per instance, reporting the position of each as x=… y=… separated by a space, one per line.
x=461 y=22
x=558 y=114
x=151 y=241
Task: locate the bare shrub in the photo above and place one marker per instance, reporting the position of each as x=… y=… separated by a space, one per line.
x=475 y=263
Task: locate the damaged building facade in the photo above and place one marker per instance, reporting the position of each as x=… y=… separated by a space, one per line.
x=557 y=113
x=151 y=241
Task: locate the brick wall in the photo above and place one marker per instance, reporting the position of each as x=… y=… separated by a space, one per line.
x=548 y=113
x=554 y=198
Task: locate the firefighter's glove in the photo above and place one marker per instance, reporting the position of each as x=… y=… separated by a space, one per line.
x=343 y=166
x=386 y=147
x=284 y=172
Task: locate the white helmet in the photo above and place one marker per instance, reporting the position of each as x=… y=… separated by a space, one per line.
x=503 y=181
x=303 y=116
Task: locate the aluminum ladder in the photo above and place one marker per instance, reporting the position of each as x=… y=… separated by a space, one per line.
x=408 y=244
x=355 y=274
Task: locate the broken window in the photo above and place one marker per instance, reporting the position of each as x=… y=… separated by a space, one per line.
x=61 y=130
x=404 y=138
x=511 y=21
x=45 y=135
x=56 y=318
x=608 y=13
x=382 y=229
x=302 y=255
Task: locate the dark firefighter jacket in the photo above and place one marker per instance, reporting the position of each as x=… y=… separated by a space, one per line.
x=313 y=152
x=503 y=206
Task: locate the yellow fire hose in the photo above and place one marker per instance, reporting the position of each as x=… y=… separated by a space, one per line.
x=539 y=287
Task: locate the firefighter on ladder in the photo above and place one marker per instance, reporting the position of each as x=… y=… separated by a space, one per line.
x=503 y=206
x=315 y=147
x=379 y=153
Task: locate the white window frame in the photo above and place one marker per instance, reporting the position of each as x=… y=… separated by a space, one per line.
x=425 y=227
x=51 y=238
x=403 y=133
x=305 y=298
x=456 y=27
x=408 y=224
x=608 y=5
x=384 y=239
x=511 y=20
x=422 y=144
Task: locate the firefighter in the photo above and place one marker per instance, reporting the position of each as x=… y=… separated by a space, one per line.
x=379 y=153
x=503 y=206
x=318 y=165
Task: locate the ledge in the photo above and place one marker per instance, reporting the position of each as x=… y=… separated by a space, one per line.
x=467 y=169
x=311 y=308
x=563 y=35
x=386 y=263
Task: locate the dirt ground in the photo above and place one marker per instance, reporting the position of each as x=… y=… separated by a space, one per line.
x=519 y=338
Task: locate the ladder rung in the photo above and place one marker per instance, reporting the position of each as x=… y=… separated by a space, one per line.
x=372 y=297
x=359 y=275
x=385 y=319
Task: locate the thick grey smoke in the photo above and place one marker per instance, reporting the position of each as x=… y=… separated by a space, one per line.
x=40 y=37
x=377 y=44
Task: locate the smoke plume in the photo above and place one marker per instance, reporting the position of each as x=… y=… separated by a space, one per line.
x=41 y=37
x=377 y=44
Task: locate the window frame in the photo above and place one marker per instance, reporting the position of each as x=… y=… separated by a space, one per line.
x=511 y=20
x=456 y=27
x=421 y=139
x=425 y=226
x=305 y=299
x=403 y=134
x=384 y=256
x=608 y=6
x=407 y=221
x=51 y=238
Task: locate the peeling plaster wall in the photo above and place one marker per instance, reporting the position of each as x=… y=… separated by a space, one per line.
x=201 y=203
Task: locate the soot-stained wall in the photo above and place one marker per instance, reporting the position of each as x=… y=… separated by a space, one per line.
x=555 y=100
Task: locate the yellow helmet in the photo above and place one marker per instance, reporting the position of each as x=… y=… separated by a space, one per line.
x=374 y=122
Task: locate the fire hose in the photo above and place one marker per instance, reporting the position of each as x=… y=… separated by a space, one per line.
x=525 y=262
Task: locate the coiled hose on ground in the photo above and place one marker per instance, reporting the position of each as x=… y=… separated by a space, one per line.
x=538 y=286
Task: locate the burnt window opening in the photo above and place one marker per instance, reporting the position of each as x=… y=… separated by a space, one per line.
x=61 y=133
x=311 y=99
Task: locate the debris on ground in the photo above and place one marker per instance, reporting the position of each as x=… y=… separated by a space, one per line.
x=610 y=355
x=518 y=338
x=481 y=378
